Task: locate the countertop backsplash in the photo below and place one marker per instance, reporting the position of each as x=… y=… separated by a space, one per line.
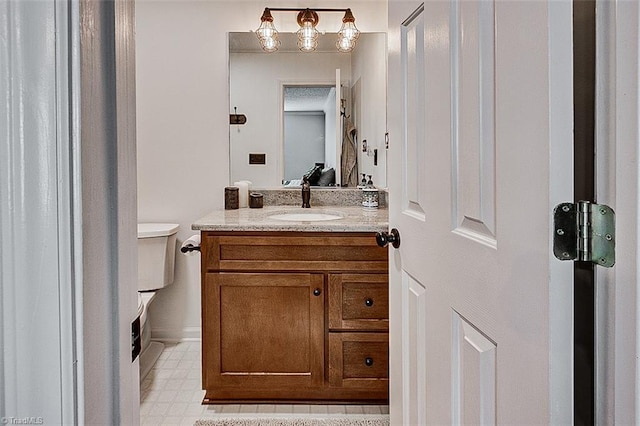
x=320 y=196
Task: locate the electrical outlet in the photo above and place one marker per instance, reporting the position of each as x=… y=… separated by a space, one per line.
x=257 y=158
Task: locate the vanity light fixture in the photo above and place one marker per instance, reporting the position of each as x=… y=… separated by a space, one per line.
x=267 y=33
x=307 y=34
x=348 y=33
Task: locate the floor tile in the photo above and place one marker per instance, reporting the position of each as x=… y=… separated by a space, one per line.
x=336 y=409
x=230 y=408
x=248 y=408
x=318 y=409
x=301 y=409
x=354 y=409
x=173 y=421
x=371 y=409
x=284 y=408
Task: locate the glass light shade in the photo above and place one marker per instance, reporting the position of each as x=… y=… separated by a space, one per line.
x=345 y=45
x=270 y=44
x=349 y=31
x=307 y=37
x=267 y=33
x=266 y=30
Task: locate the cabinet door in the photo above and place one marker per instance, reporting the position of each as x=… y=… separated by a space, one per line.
x=263 y=331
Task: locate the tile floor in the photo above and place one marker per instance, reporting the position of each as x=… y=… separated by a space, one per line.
x=171 y=394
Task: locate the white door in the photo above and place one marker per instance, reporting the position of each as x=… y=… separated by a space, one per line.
x=480 y=114
x=618 y=177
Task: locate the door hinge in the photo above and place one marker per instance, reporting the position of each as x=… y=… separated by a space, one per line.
x=585 y=231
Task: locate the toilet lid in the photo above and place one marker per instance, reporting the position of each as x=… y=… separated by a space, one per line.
x=149 y=230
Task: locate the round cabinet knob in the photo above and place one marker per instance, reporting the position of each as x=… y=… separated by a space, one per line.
x=317 y=292
x=368 y=302
x=368 y=361
x=384 y=238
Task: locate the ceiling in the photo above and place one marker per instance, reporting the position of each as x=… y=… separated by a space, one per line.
x=305 y=98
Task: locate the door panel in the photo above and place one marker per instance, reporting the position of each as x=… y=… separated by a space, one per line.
x=413 y=57
x=473 y=114
x=415 y=350
x=479 y=154
x=474 y=374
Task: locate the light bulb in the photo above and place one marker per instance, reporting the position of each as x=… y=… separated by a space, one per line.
x=345 y=45
x=270 y=44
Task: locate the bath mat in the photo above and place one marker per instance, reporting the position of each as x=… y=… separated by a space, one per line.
x=326 y=420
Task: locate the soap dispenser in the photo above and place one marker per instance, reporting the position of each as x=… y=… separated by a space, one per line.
x=363 y=182
x=370 y=195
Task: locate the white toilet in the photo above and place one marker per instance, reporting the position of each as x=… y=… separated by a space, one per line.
x=156 y=262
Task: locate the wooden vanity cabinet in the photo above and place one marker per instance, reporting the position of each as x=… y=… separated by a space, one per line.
x=290 y=316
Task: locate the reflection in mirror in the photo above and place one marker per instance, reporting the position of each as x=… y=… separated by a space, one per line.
x=293 y=103
x=309 y=131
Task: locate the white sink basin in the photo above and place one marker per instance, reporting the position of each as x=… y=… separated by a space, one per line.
x=306 y=217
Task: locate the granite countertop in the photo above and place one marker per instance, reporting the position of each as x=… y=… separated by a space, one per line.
x=356 y=219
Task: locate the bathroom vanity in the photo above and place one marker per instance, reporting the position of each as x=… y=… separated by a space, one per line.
x=294 y=310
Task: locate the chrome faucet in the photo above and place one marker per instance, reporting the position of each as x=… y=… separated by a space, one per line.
x=306 y=192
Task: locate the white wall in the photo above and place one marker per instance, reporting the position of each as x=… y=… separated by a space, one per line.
x=183 y=121
x=369 y=65
x=300 y=157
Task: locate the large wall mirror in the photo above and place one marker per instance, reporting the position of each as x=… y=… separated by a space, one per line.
x=301 y=107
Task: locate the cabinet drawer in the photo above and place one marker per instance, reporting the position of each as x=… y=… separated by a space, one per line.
x=359 y=360
x=293 y=251
x=358 y=302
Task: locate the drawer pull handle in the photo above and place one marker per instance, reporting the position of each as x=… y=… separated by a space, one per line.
x=317 y=292
x=368 y=302
x=368 y=361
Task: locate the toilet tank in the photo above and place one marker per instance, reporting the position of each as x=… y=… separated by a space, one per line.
x=156 y=255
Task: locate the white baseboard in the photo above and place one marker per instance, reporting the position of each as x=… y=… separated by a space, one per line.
x=174 y=335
